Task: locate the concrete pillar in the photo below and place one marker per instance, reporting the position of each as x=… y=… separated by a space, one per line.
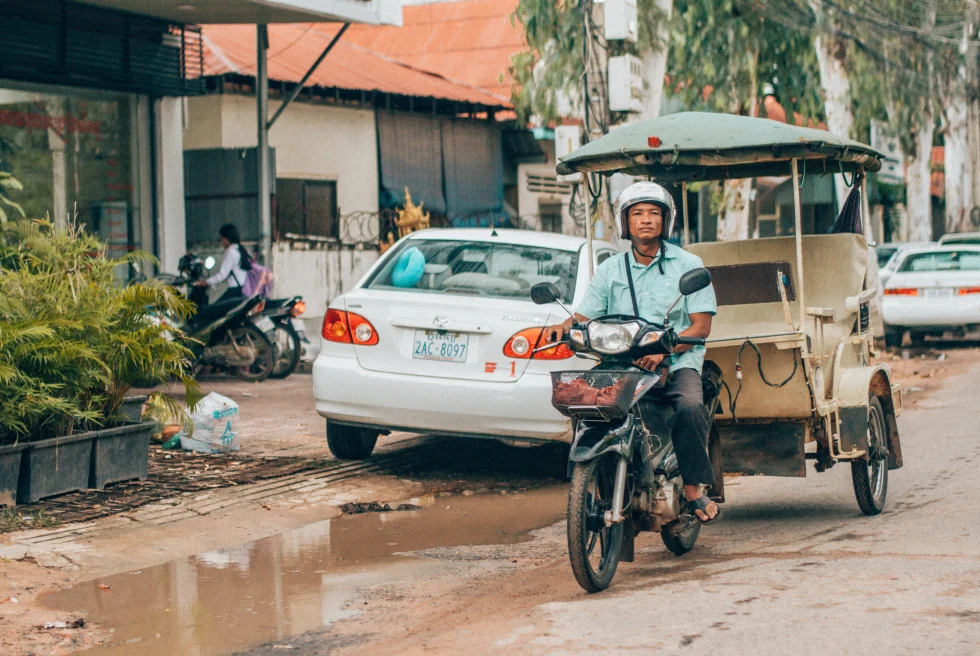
x=171 y=219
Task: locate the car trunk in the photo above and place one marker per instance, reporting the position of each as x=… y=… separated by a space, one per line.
x=936 y=285
x=443 y=335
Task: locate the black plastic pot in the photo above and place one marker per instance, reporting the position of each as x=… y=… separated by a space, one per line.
x=132 y=407
x=10 y=457
x=120 y=454
x=55 y=466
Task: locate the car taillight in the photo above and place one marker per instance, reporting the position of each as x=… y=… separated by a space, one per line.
x=364 y=333
x=902 y=291
x=299 y=307
x=521 y=347
x=335 y=328
x=348 y=328
x=963 y=291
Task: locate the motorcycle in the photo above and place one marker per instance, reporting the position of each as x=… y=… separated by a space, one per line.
x=624 y=474
x=228 y=335
x=290 y=339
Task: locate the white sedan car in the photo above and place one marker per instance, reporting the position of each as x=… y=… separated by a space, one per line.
x=438 y=338
x=933 y=291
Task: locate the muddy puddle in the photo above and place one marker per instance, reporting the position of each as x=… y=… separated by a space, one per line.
x=259 y=592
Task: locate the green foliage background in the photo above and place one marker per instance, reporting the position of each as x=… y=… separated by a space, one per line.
x=73 y=340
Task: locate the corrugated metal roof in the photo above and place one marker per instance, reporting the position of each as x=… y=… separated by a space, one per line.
x=294 y=47
x=470 y=42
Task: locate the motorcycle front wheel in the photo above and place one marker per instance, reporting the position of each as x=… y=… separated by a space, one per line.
x=288 y=351
x=248 y=336
x=593 y=548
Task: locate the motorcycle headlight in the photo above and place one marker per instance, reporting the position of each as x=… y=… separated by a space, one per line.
x=650 y=338
x=612 y=338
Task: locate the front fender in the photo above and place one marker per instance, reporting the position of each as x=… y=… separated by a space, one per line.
x=855 y=388
x=594 y=440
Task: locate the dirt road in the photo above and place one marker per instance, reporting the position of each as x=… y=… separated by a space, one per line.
x=475 y=561
x=793 y=568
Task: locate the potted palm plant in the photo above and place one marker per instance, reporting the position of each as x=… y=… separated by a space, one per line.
x=73 y=339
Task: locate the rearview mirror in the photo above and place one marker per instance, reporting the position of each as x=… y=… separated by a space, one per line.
x=544 y=293
x=694 y=281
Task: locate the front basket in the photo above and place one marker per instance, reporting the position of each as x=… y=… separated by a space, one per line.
x=594 y=394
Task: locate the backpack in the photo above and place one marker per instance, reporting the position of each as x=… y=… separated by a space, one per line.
x=258 y=280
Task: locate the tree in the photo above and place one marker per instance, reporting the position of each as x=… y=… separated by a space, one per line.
x=654 y=36
x=832 y=54
x=726 y=56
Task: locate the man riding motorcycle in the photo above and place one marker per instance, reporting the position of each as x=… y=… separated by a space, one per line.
x=644 y=282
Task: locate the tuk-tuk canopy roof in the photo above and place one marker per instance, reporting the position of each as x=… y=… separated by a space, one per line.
x=693 y=146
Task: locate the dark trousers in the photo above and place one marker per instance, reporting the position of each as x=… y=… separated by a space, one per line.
x=690 y=426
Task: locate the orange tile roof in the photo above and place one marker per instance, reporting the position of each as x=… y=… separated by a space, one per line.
x=294 y=47
x=470 y=42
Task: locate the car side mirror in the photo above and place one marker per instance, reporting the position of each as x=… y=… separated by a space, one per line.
x=694 y=281
x=544 y=293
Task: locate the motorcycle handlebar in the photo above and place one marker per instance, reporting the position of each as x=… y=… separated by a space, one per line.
x=550 y=346
x=691 y=341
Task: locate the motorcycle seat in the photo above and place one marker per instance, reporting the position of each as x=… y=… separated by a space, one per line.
x=275 y=303
x=214 y=311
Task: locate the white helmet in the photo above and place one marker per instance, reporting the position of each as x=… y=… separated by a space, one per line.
x=645 y=192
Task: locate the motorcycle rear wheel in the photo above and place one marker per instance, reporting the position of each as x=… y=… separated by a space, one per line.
x=288 y=350
x=259 y=370
x=589 y=497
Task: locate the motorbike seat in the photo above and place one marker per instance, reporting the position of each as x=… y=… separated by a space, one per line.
x=214 y=311
x=276 y=303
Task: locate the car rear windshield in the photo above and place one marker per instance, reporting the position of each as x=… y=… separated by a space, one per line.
x=884 y=254
x=942 y=261
x=476 y=268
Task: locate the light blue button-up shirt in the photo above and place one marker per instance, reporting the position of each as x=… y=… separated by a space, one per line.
x=609 y=293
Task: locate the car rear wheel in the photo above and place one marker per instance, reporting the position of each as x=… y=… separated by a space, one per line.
x=350 y=442
x=893 y=336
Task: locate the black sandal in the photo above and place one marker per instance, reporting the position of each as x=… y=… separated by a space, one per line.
x=701 y=503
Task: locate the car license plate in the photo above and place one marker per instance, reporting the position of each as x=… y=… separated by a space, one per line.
x=264 y=324
x=940 y=292
x=445 y=347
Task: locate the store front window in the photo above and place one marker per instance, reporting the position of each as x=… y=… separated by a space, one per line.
x=76 y=156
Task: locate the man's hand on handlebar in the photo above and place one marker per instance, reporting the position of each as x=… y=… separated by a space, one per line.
x=650 y=362
x=557 y=332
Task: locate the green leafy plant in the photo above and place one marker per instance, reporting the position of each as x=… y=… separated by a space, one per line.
x=8 y=183
x=74 y=339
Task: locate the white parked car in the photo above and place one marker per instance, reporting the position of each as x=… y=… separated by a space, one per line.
x=933 y=291
x=960 y=239
x=437 y=338
x=898 y=253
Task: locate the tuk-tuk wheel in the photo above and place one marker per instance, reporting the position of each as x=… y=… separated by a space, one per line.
x=870 y=477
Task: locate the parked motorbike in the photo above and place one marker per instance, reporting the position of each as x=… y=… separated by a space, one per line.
x=290 y=339
x=228 y=335
x=624 y=474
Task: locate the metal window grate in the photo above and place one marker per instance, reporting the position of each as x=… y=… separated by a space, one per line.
x=70 y=44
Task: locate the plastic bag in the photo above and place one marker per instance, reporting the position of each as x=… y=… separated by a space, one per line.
x=213 y=427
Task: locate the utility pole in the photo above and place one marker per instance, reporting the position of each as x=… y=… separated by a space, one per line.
x=264 y=165
x=595 y=54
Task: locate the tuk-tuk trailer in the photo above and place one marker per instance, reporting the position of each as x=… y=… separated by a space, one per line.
x=793 y=335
